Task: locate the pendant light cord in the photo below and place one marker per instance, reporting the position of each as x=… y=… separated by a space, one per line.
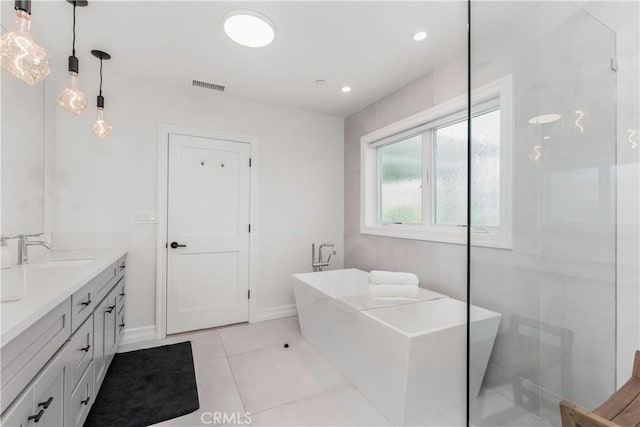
x=100 y=76
x=73 y=48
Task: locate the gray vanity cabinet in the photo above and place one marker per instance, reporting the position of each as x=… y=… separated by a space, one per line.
x=51 y=373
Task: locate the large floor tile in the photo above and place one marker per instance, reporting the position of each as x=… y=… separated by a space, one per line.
x=216 y=387
x=256 y=336
x=206 y=346
x=343 y=406
x=275 y=376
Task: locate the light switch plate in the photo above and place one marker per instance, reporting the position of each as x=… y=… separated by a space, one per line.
x=143 y=217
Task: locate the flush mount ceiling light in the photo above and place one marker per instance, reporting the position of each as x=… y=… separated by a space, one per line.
x=249 y=28
x=101 y=127
x=419 y=36
x=72 y=98
x=544 y=118
x=19 y=53
x=346 y=89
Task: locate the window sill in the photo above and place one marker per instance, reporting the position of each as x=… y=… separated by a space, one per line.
x=455 y=235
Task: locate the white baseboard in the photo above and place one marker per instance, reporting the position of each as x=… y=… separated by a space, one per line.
x=135 y=335
x=276 y=312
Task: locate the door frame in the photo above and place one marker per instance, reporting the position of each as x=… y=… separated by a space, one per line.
x=162 y=206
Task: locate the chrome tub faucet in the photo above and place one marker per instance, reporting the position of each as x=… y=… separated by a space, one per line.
x=320 y=263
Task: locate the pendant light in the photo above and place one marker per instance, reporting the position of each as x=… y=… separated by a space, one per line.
x=101 y=127
x=19 y=53
x=72 y=99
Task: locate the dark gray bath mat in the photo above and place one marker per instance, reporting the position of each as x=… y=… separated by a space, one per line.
x=145 y=387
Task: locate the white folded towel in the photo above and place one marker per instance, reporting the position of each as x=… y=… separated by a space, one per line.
x=387 y=291
x=392 y=278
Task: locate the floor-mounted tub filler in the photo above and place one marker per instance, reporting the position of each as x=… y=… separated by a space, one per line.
x=407 y=356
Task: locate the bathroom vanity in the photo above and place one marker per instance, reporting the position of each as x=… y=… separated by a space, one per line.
x=59 y=335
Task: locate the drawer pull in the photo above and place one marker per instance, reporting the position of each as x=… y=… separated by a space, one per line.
x=37 y=416
x=86 y=303
x=46 y=404
x=86 y=349
x=110 y=308
x=122 y=267
x=121 y=325
x=121 y=294
x=86 y=401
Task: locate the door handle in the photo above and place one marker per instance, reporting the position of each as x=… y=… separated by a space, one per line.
x=175 y=245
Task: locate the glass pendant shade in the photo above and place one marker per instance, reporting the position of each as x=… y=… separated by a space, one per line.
x=101 y=127
x=72 y=99
x=21 y=55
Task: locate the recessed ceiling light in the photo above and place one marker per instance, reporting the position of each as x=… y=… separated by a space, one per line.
x=249 y=28
x=546 y=137
x=320 y=82
x=346 y=89
x=544 y=118
x=419 y=36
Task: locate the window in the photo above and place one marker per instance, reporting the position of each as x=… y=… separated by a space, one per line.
x=401 y=181
x=414 y=172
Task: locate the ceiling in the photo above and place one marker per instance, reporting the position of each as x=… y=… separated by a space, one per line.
x=366 y=45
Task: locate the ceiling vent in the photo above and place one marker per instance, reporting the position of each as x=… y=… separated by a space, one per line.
x=207 y=85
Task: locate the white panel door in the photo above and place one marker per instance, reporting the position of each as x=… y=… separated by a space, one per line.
x=208 y=213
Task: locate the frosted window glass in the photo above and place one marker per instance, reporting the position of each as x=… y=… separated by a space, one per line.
x=401 y=181
x=485 y=170
x=450 y=172
x=450 y=177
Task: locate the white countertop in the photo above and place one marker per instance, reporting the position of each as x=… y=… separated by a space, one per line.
x=46 y=287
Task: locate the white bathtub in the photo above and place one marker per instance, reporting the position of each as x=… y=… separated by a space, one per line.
x=406 y=356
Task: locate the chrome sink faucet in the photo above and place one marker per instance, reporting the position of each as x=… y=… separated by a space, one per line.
x=321 y=262
x=23 y=246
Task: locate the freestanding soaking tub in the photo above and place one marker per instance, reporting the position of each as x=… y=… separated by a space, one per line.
x=407 y=356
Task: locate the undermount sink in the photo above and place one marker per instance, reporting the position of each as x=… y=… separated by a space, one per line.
x=56 y=263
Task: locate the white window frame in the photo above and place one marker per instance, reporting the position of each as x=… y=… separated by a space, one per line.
x=498 y=93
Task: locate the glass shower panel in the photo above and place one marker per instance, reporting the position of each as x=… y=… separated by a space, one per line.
x=555 y=285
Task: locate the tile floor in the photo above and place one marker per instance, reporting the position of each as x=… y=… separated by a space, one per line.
x=245 y=368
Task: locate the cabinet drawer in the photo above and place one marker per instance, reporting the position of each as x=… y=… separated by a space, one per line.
x=48 y=393
x=83 y=302
x=28 y=353
x=104 y=281
x=81 y=400
x=18 y=414
x=78 y=353
x=42 y=403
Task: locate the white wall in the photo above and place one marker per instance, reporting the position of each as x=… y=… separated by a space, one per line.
x=94 y=185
